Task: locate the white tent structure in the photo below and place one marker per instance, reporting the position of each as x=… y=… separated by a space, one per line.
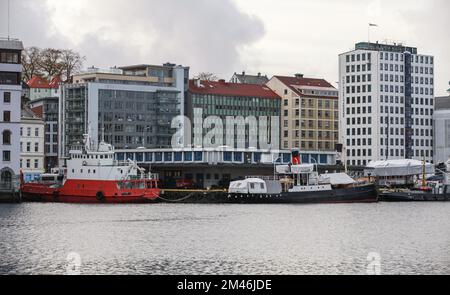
x=336 y=179
x=402 y=167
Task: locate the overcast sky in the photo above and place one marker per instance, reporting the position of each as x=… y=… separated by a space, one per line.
x=226 y=36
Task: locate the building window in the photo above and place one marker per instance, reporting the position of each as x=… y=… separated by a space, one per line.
x=36 y=147
x=6 y=137
x=6 y=156
x=9 y=57
x=188 y=157
x=6 y=116
x=36 y=164
x=7 y=97
x=9 y=78
x=6 y=177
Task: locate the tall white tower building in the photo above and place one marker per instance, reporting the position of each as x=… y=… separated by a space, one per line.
x=10 y=97
x=386 y=103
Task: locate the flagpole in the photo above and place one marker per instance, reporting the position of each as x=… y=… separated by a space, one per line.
x=368 y=30
x=8 y=19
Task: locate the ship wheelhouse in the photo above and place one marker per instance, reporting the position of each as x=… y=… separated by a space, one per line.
x=97 y=162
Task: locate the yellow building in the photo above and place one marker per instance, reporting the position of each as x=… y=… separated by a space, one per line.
x=309 y=113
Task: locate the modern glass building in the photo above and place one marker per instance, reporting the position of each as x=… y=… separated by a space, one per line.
x=131 y=107
x=221 y=100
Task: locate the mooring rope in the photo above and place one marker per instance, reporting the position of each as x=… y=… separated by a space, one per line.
x=176 y=201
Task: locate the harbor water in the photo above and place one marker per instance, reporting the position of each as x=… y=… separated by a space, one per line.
x=400 y=238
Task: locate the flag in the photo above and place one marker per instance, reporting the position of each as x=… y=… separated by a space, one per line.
x=373 y=25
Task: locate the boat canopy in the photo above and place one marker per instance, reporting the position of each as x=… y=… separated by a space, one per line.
x=400 y=167
x=336 y=179
x=295 y=169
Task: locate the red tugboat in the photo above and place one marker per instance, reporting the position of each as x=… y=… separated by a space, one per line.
x=94 y=176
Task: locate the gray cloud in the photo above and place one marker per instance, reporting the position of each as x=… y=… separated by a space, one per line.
x=215 y=35
x=431 y=29
x=204 y=34
x=30 y=23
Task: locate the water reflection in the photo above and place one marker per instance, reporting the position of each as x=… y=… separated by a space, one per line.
x=412 y=238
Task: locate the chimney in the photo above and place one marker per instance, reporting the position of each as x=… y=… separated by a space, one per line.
x=197 y=83
x=298 y=75
x=259 y=74
x=243 y=73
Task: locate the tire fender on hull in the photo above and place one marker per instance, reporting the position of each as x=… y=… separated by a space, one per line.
x=100 y=196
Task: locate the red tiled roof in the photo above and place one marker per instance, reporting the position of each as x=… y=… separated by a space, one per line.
x=54 y=83
x=232 y=89
x=296 y=81
x=39 y=82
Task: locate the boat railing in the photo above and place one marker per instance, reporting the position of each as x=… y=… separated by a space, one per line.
x=153 y=176
x=149 y=176
x=266 y=177
x=121 y=163
x=77 y=148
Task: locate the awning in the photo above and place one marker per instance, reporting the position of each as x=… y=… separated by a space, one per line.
x=401 y=167
x=336 y=179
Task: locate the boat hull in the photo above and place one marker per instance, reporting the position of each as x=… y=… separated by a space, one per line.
x=362 y=194
x=413 y=197
x=85 y=199
x=87 y=191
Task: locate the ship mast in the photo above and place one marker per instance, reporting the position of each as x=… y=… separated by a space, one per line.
x=103 y=134
x=423 y=173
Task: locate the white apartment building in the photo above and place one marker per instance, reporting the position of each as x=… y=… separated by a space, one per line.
x=441 y=125
x=386 y=103
x=10 y=97
x=31 y=145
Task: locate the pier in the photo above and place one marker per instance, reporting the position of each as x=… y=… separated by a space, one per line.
x=9 y=193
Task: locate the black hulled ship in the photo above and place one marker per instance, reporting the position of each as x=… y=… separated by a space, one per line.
x=300 y=184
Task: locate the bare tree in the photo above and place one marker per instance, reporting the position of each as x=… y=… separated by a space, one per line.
x=51 y=62
x=71 y=63
x=31 y=62
x=206 y=76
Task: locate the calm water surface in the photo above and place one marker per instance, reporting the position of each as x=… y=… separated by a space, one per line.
x=411 y=238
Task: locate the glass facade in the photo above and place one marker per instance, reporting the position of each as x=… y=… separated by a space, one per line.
x=227 y=157
x=75 y=124
x=132 y=119
x=127 y=119
x=234 y=106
